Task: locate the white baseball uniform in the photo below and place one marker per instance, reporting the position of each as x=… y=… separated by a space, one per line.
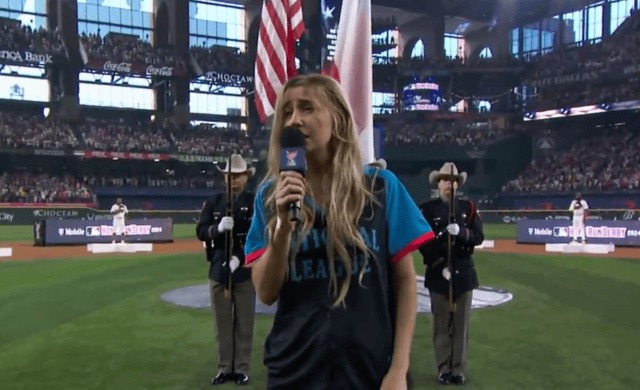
x=579 y=208
x=118 y=219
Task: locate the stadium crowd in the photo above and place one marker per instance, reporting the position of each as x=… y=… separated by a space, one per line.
x=222 y=59
x=27 y=131
x=119 y=48
x=609 y=59
x=118 y=136
x=20 y=130
x=96 y=181
x=207 y=142
x=43 y=188
x=412 y=133
x=16 y=36
x=602 y=163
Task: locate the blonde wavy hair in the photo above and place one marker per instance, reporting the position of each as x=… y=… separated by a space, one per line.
x=348 y=190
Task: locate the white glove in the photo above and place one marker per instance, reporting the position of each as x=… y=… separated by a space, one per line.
x=225 y=225
x=453 y=229
x=234 y=263
x=446 y=273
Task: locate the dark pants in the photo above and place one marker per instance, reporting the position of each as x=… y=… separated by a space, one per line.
x=235 y=340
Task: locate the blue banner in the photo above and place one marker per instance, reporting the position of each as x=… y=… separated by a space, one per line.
x=78 y=231
x=560 y=231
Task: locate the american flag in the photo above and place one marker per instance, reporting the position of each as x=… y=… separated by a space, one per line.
x=281 y=25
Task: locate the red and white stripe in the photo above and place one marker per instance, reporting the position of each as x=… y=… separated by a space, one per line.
x=281 y=25
x=353 y=69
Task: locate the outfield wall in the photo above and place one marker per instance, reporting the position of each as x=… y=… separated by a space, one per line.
x=554 y=231
x=28 y=214
x=77 y=231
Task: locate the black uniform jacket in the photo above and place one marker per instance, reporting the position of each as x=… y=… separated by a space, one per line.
x=434 y=252
x=207 y=230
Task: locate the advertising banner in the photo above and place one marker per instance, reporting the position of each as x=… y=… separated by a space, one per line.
x=28 y=215
x=226 y=78
x=603 y=74
x=513 y=216
x=75 y=231
x=122 y=155
x=24 y=57
x=136 y=68
x=560 y=231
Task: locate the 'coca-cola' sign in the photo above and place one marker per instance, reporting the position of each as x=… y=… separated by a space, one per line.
x=124 y=67
x=165 y=71
x=137 y=68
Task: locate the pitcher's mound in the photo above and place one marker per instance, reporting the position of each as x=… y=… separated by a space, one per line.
x=197 y=296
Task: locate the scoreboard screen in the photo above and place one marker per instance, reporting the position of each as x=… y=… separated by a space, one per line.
x=422 y=96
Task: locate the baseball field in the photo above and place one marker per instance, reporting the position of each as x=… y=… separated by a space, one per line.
x=70 y=319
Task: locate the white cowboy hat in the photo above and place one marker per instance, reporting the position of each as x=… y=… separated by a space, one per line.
x=379 y=163
x=238 y=165
x=444 y=172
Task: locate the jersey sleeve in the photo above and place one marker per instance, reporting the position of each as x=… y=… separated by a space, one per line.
x=114 y=208
x=585 y=205
x=257 y=238
x=408 y=230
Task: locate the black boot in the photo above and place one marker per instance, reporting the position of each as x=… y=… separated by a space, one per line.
x=242 y=379
x=221 y=378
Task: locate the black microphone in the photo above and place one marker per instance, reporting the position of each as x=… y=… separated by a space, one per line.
x=293 y=157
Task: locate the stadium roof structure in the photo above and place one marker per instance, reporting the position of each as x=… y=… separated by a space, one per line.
x=464 y=17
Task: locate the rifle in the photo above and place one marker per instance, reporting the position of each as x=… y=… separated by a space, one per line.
x=228 y=236
x=228 y=253
x=452 y=303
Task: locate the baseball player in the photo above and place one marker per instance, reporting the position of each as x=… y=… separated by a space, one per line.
x=119 y=210
x=579 y=208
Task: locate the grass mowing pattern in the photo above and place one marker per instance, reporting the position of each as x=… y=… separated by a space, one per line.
x=101 y=325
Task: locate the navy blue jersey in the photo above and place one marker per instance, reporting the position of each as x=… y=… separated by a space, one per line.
x=313 y=345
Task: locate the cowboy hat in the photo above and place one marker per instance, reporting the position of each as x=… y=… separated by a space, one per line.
x=379 y=163
x=238 y=165
x=445 y=171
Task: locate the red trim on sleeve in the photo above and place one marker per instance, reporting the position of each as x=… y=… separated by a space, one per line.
x=472 y=213
x=413 y=245
x=253 y=256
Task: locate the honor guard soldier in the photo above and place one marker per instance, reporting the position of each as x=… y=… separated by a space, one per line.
x=223 y=226
x=450 y=272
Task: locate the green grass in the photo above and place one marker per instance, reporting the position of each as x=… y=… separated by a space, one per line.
x=499 y=231
x=16 y=233
x=101 y=324
x=25 y=233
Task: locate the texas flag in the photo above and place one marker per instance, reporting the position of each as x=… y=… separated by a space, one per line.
x=352 y=67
